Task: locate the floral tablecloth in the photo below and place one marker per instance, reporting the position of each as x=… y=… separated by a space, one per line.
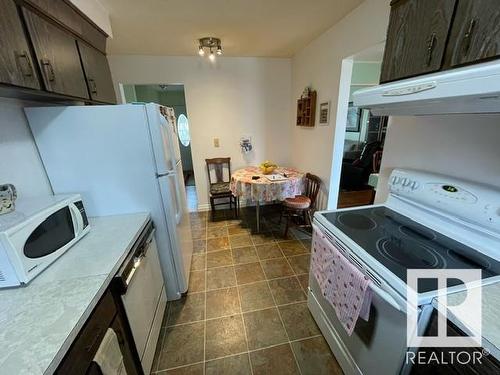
x=263 y=189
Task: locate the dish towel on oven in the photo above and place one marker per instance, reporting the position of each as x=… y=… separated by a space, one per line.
x=342 y=284
x=109 y=356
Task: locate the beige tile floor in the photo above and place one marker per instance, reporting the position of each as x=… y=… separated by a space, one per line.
x=246 y=309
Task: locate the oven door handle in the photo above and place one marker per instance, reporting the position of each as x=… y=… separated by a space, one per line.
x=387 y=297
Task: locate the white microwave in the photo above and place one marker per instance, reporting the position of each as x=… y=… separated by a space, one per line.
x=38 y=232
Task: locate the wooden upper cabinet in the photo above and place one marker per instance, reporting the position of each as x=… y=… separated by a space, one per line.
x=97 y=73
x=16 y=66
x=57 y=56
x=416 y=37
x=65 y=14
x=475 y=34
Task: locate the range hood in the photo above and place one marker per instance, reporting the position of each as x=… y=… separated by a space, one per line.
x=471 y=89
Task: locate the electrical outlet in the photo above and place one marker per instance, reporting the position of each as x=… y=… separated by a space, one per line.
x=216 y=142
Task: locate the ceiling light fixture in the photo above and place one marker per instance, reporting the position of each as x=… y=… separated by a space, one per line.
x=211 y=44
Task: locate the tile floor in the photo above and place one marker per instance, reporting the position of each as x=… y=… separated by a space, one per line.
x=246 y=310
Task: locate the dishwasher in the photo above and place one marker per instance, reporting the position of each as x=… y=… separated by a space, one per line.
x=140 y=283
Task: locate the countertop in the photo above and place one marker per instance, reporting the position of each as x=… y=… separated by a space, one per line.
x=490 y=323
x=39 y=322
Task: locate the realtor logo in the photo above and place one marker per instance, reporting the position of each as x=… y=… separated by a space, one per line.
x=468 y=311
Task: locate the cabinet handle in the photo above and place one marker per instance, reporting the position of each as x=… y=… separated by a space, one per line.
x=92 y=86
x=468 y=36
x=430 y=48
x=48 y=70
x=27 y=64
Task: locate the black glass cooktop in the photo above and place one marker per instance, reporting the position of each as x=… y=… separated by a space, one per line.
x=400 y=243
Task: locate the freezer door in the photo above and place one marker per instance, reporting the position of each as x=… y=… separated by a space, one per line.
x=163 y=138
x=177 y=218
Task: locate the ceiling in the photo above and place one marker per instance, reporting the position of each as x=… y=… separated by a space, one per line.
x=271 y=28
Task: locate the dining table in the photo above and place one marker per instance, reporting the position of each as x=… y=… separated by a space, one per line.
x=251 y=184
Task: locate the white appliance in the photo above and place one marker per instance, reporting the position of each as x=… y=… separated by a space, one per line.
x=471 y=89
x=140 y=283
x=428 y=221
x=123 y=159
x=38 y=232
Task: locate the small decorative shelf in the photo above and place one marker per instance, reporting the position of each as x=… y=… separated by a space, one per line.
x=306 y=110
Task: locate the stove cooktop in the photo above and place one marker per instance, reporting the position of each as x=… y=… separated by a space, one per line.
x=400 y=243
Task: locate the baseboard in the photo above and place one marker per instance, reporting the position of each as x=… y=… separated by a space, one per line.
x=204 y=207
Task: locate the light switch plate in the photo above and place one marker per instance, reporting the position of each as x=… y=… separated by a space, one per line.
x=216 y=142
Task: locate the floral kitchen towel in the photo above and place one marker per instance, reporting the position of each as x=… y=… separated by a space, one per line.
x=343 y=285
x=321 y=259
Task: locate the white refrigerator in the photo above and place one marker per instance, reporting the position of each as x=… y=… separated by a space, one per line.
x=122 y=159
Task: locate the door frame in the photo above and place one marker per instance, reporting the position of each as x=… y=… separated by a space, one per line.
x=339 y=135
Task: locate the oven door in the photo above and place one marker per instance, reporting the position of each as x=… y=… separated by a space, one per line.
x=45 y=238
x=377 y=346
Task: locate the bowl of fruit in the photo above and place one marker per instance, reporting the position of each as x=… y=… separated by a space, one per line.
x=267 y=167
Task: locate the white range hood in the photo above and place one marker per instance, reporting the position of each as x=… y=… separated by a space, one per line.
x=471 y=89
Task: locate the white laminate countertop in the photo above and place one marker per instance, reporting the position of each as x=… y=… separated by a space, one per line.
x=39 y=322
x=490 y=322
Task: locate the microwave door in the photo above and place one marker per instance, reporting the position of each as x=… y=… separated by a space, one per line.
x=53 y=233
x=40 y=245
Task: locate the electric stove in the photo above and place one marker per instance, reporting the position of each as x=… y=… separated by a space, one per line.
x=400 y=243
x=428 y=221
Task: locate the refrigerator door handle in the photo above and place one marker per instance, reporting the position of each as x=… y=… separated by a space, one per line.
x=178 y=207
x=158 y=175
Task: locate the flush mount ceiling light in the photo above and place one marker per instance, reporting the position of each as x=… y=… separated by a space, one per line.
x=213 y=45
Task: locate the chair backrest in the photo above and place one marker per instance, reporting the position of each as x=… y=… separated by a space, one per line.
x=377 y=161
x=215 y=168
x=311 y=189
x=366 y=158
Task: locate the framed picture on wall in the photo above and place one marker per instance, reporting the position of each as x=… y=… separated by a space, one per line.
x=324 y=113
x=353 y=118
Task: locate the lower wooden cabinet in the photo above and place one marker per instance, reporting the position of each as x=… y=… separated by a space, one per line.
x=79 y=358
x=57 y=56
x=97 y=73
x=475 y=34
x=487 y=365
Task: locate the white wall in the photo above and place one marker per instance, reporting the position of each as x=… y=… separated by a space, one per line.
x=463 y=146
x=20 y=163
x=319 y=65
x=229 y=99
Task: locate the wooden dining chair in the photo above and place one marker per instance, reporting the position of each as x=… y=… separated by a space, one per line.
x=302 y=206
x=219 y=185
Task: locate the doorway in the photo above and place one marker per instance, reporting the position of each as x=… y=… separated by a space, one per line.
x=359 y=135
x=171 y=96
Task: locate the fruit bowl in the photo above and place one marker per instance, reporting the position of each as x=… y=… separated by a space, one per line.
x=267 y=167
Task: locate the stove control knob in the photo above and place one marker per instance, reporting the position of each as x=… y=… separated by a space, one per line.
x=395 y=180
x=414 y=185
x=406 y=182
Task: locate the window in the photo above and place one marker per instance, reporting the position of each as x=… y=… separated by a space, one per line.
x=183 y=130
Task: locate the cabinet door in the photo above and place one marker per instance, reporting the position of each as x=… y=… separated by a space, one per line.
x=57 y=56
x=16 y=67
x=96 y=68
x=416 y=37
x=475 y=33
